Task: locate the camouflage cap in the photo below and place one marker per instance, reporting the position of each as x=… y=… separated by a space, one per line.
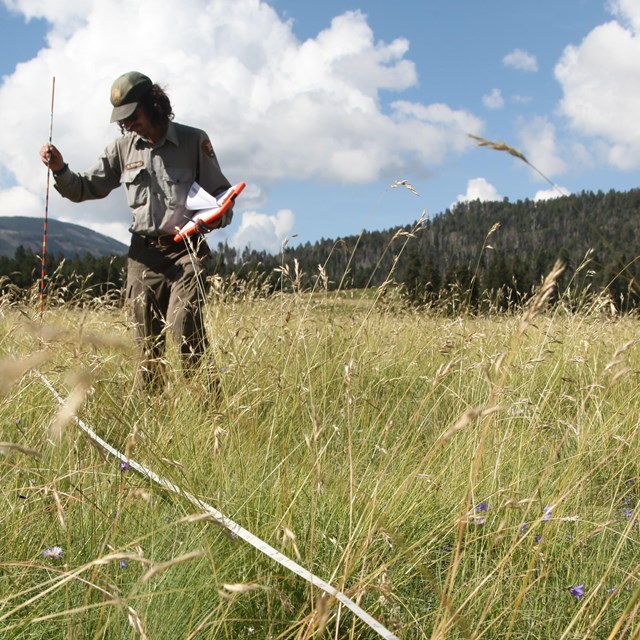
x=126 y=92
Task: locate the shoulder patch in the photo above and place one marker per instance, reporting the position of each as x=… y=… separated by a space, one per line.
x=207 y=148
x=134 y=165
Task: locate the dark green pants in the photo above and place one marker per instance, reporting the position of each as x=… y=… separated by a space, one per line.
x=165 y=287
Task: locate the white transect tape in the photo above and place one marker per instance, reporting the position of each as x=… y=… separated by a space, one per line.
x=232 y=526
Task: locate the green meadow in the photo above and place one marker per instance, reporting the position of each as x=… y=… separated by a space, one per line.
x=468 y=476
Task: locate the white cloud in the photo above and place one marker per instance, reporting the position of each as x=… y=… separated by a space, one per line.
x=479 y=189
x=521 y=60
x=18 y=201
x=431 y=132
x=628 y=11
x=275 y=107
x=493 y=100
x=538 y=139
x=112 y=229
x=550 y=194
x=263 y=232
x=600 y=79
x=65 y=16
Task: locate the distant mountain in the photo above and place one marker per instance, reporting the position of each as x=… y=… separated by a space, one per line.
x=63 y=238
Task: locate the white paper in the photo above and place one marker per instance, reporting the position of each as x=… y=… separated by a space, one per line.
x=198 y=199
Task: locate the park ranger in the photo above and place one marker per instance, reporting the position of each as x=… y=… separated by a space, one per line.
x=157 y=161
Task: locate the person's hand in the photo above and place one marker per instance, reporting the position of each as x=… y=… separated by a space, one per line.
x=226 y=218
x=204 y=228
x=51 y=157
x=216 y=224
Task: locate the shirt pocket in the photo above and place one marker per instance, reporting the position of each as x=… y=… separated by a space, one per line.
x=178 y=182
x=136 y=184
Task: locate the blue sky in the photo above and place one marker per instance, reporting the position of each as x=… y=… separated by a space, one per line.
x=321 y=106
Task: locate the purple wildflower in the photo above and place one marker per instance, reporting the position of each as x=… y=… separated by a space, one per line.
x=523 y=528
x=482 y=507
x=53 y=552
x=627 y=513
x=612 y=590
x=537 y=539
x=547 y=512
x=124 y=466
x=122 y=564
x=577 y=592
x=479 y=521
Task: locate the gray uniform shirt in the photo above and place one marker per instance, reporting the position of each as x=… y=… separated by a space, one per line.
x=156 y=177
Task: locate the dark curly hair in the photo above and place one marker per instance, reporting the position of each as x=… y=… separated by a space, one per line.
x=156 y=105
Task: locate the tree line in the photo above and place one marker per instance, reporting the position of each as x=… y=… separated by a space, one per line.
x=482 y=253
x=485 y=253
x=66 y=279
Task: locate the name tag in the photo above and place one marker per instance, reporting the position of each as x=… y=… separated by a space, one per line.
x=134 y=165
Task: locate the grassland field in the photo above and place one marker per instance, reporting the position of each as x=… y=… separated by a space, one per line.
x=457 y=477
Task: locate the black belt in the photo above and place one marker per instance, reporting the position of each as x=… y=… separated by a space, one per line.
x=161 y=241
x=166 y=244
x=164 y=241
x=146 y=247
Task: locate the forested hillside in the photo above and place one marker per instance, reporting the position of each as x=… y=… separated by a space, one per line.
x=501 y=247
x=495 y=251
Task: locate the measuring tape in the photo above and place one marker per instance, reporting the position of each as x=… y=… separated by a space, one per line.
x=233 y=527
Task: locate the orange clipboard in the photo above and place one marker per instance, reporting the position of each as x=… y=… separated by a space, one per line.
x=218 y=207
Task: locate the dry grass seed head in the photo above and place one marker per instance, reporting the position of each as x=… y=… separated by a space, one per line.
x=69 y=408
x=466 y=419
x=6 y=447
x=136 y=622
x=498 y=146
x=231 y=590
x=14 y=368
x=78 y=338
x=59 y=507
x=164 y=566
x=288 y=538
x=405 y=184
x=541 y=298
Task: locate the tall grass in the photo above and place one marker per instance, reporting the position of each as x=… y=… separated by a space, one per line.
x=467 y=477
